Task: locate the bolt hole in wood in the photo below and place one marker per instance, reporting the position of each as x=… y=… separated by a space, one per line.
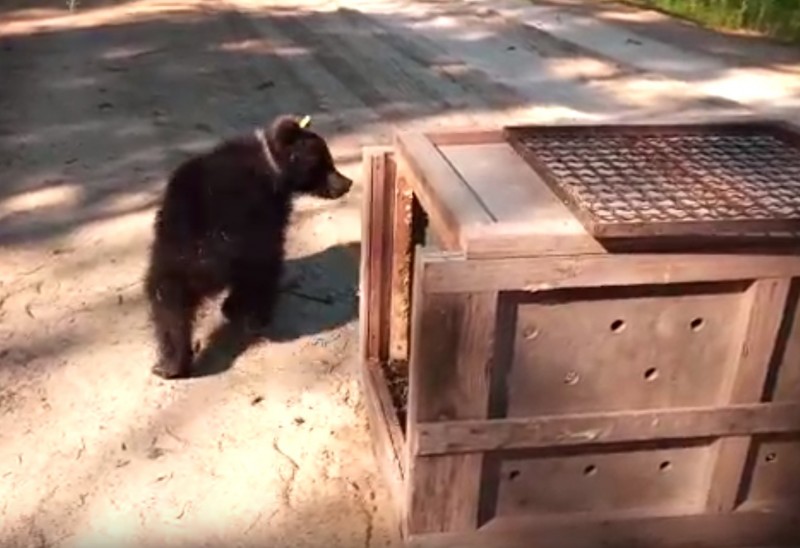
x=771 y=457
x=572 y=378
x=665 y=465
x=697 y=324
x=531 y=333
x=651 y=374
x=590 y=470
x=618 y=326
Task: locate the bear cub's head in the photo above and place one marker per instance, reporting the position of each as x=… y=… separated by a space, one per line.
x=304 y=160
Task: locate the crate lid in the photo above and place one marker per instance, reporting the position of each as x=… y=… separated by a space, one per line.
x=539 y=190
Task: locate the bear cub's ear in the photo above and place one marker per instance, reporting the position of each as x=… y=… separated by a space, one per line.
x=286 y=129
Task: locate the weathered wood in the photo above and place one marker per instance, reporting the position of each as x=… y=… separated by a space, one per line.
x=660 y=478
x=587 y=429
x=531 y=220
x=621 y=348
x=503 y=241
x=387 y=438
x=402 y=253
x=451 y=349
x=374 y=288
x=784 y=381
x=451 y=357
x=465 y=137
x=774 y=479
x=729 y=476
x=443 y=494
x=562 y=393
x=741 y=529
x=451 y=206
x=455 y=274
x=375 y=266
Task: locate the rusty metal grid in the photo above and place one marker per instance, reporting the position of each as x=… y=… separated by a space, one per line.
x=693 y=180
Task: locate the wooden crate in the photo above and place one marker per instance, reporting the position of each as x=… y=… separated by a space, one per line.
x=562 y=393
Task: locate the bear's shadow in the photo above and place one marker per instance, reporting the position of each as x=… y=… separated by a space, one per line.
x=319 y=293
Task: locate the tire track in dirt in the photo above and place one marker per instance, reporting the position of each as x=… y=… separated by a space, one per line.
x=356 y=70
x=385 y=73
x=480 y=91
x=272 y=65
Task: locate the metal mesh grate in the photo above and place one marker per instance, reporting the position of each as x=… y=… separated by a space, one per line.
x=627 y=181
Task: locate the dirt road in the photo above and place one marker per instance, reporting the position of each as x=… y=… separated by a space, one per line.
x=269 y=447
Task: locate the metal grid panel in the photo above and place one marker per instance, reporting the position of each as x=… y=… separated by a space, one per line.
x=678 y=180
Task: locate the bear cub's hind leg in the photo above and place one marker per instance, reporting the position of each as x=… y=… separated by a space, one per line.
x=253 y=293
x=173 y=308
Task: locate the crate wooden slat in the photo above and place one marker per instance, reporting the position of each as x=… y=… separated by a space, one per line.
x=563 y=389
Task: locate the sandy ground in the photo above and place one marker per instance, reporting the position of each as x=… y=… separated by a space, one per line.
x=269 y=446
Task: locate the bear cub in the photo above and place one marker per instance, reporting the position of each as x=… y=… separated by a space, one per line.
x=222 y=225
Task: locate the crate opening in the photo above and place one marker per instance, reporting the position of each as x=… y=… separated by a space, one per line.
x=395 y=374
x=412 y=231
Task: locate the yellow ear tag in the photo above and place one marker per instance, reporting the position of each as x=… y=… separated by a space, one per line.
x=305 y=121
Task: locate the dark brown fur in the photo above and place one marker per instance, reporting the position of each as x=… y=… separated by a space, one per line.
x=222 y=224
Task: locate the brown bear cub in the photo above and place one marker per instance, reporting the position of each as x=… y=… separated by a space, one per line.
x=222 y=225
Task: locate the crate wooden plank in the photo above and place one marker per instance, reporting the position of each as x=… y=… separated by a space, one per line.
x=662 y=478
x=775 y=475
x=451 y=355
x=450 y=204
x=622 y=348
x=784 y=382
x=747 y=385
x=454 y=274
x=530 y=219
x=387 y=438
x=741 y=529
x=586 y=429
x=375 y=263
x=400 y=276
x=465 y=136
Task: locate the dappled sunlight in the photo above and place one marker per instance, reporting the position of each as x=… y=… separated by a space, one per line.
x=704 y=73
x=130 y=222
x=569 y=69
x=74 y=84
x=264 y=46
x=136 y=129
x=53 y=197
x=127 y=52
x=146 y=155
x=29 y=22
x=637 y=15
x=753 y=86
x=52 y=133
